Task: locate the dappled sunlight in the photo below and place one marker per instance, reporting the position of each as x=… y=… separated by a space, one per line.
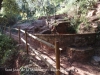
x=51 y=35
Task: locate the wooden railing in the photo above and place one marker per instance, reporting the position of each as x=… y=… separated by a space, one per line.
x=56 y=46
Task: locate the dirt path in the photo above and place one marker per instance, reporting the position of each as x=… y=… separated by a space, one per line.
x=83 y=68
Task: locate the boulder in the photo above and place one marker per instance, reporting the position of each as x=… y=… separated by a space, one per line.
x=90 y=27
x=91 y=13
x=93 y=18
x=98 y=8
x=95 y=60
x=60 y=28
x=48 y=31
x=38 y=26
x=80 y=53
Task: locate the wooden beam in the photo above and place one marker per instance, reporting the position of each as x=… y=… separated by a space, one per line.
x=84 y=34
x=36 y=38
x=26 y=41
x=49 y=62
x=19 y=35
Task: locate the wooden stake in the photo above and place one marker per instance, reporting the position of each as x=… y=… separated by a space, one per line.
x=57 y=51
x=19 y=35
x=26 y=41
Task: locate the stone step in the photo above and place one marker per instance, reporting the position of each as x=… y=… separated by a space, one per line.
x=80 y=53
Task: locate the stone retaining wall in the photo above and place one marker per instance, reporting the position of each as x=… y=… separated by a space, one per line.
x=66 y=40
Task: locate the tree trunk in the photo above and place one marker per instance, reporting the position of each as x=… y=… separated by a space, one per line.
x=1 y=3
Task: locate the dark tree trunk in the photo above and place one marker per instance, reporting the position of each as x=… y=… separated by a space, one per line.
x=1 y=3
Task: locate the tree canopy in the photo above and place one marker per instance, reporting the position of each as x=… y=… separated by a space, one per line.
x=15 y=10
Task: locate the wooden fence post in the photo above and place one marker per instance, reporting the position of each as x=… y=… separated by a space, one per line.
x=9 y=31
x=57 y=51
x=19 y=35
x=26 y=41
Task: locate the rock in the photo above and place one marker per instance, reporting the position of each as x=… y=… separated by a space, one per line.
x=39 y=23
x=98 y=8
x=94 y=25
x=38 y=26
x=82 y=28
x=98 y=4
x=60 y=28
x=91 y=27
x=95 y=60
x=60 y=16
x=94 y=63
x=48 y=31
x=98 y=12
x=80 y=53
x=43 y=17
x=93 y=18
x=91 y=13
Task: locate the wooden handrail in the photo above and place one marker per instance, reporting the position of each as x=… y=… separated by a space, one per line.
x=66 y=34
x=36 y=38
x=60 y=34
x=22 y=31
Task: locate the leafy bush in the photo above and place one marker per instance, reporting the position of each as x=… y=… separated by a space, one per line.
x=9 y=19
x=75 y=21
x=7 y=49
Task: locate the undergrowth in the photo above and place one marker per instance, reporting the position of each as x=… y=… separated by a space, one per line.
x=7 y=50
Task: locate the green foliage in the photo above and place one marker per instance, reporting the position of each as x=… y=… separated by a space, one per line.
x=3 y=20
x=75 y=21
x=7 y=49
x=10 y=12
x=82 y=9
x=10 y=7
x=8 y=20
x=15 y=10
x=49 y=9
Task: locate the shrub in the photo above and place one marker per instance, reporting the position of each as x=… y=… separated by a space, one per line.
x=7 y=49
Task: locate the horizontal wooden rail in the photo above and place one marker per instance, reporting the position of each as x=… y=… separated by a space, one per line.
x=61 y=34
x=84 y=34
x=20 y=30
x=15 y=28
x=36 y=38
x=41 y=56
x=35 y=51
